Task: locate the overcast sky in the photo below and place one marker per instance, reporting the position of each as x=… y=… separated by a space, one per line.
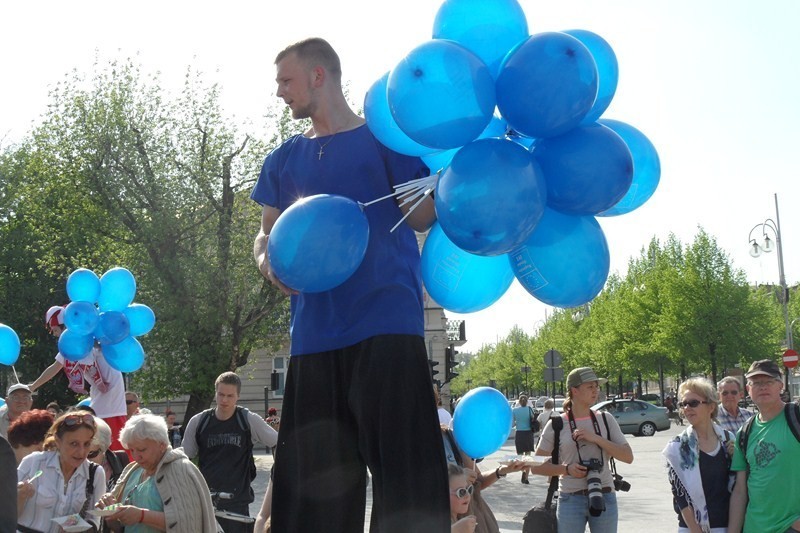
x=713 y=84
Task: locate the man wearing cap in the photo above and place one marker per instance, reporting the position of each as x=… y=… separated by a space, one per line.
x=764 y=498
x=585 y=435
x=105 y=384
x=731 y=416
x=18 y=400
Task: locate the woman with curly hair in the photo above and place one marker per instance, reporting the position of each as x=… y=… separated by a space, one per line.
x=26 y=434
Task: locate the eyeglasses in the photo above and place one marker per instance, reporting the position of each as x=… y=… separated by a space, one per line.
x=75 y=420
x=690 y=403
x=762 y=384
x=730 y=392
x=93 y=454
x=463 y=492
x=20 y=398
x=128 y=402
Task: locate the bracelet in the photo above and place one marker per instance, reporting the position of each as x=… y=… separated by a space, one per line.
x=498 y=474
x=566 y=469
x=141 y=518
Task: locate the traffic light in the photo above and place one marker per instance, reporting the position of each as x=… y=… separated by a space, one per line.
x=450 y=363
x=433 y=370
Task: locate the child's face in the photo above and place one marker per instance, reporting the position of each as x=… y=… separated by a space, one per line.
x=459 y=505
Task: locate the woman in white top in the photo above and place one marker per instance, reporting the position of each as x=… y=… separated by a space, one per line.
x=63 y=487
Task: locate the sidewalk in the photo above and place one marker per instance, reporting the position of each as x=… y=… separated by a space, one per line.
x=647 y=507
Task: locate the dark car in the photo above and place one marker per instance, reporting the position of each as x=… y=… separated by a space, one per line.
x=636 y=417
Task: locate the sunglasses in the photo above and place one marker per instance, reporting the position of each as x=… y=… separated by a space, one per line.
x=75 y=420
x=463 y=492
x=730 y=392
x=128 y=402
x=691 y=403
x=93 y=454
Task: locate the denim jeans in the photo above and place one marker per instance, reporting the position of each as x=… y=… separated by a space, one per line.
x=573 y=514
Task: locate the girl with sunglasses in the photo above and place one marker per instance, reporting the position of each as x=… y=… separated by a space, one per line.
x=460 y=495
x=59 y=481
x=699 y=461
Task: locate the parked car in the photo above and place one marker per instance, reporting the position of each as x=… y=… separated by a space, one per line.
x=655 y=399
x=635 y=416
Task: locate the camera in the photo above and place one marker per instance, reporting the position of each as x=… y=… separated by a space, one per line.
x=594 y=488
x=620 y=484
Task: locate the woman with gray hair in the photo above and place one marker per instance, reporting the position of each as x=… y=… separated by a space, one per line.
x=698 y=462
x=161 y=490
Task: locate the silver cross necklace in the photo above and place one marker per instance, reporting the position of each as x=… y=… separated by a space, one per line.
x=322 y=146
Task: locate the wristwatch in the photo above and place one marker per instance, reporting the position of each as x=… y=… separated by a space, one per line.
x=498 y=474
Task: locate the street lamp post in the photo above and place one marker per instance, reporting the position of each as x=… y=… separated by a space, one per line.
x=526 y=369
x=755 y=250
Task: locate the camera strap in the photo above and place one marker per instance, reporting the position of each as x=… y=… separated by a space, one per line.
x=573 y=426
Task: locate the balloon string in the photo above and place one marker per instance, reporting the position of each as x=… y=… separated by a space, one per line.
x=15 y=373
x=414 y=191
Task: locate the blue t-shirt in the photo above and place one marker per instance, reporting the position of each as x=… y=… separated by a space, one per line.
x=522 y=418
x=384 y=295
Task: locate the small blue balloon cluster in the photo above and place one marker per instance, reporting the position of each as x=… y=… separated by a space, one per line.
x=512 y=123
x=101 y=310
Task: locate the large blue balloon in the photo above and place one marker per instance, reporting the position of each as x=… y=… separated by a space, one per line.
x=382 y=124
x=460 y=281
x=490 y=197
x=125 y=356
x=441 y=95
x=646 y=168
x=482 y=422
x=318 y=242
x=83 y=285
x=117 y=289
x=607 y=71
x=587 y=170
x=487 y=28
x=565 y=262
x=81 y=317
x=547 y=85
x=141 y=319
x=438 y=161
x=9 y=345
x=112 y=327
x=74 y=346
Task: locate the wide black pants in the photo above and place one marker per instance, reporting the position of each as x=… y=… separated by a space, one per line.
x=368 y=405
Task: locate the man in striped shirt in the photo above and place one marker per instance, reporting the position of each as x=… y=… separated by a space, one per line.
x=731 y=416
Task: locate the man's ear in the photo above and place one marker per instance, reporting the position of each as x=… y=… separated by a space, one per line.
x=318 y=76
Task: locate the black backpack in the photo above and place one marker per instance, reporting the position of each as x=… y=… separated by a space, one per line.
x=792 y=413
x=244 y=424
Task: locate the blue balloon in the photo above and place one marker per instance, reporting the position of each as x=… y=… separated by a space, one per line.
x=607 y=71
x=587 y=170
x=441 y=95
x=460 y=281
x=382 y=124
x=318 y=242
x=83 y=285
x=2 y=402
x=141 y=319
x=81 y=317
x=86 y=402
x=117 y=289
x=565 y=262
x=547 y=85
x=125 y=356
x=482 y=422
x=488 y=29
x=646 y=168
x=112 y=327
x=490 y=197
x=74 y=346
x=438 y=161
x=9 y=345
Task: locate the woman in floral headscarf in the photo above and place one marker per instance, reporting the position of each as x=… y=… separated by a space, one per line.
x=698 y=462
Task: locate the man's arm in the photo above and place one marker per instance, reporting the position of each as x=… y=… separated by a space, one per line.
x=421 y=218
x=260 y=431
x=46 y=376
x=189 y=443
x=738 y=504
x=268 y=217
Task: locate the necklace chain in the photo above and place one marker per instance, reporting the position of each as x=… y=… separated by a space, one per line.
x=322 y=146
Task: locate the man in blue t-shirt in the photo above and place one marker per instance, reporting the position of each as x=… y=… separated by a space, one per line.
x=358 y=390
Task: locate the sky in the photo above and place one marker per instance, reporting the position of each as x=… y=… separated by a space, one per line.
x=712 y=83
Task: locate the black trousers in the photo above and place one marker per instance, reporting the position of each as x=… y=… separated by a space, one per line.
x=368 y=405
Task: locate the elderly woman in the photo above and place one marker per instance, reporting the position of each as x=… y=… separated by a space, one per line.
x=112 y=461
x=161 y=490
x=26 y=434
x=698 y=462
x=60 y=481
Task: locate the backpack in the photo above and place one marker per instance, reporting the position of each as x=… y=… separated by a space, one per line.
x=535 y=427
x=792 y=413
x=241 y=415
x=542 y=517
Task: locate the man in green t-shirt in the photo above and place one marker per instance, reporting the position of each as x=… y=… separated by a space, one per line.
x=766 y=496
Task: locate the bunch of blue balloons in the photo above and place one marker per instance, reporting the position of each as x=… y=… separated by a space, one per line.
x=512 y=123
x=101 y=310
